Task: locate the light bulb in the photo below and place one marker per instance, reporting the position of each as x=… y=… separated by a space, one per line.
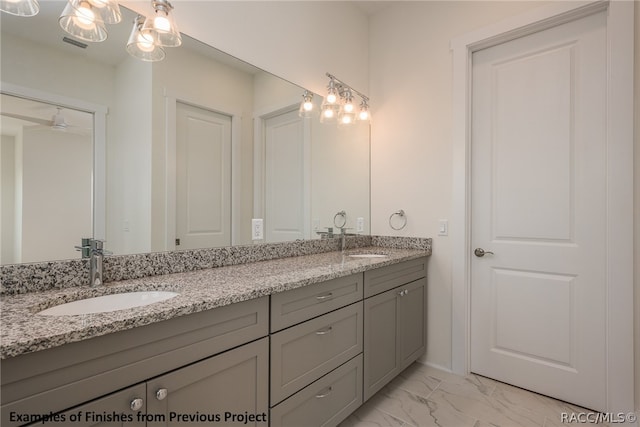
x=145 y=44
x=99 y=3
x=346 y=119
x=308 y=106
x=348 y=107
x=328 y=113
x=84 y=16
x=161 y=23
x=364 y=115
x=332 y=98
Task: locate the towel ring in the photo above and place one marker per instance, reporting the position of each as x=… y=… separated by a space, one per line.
x=343 y=214
x=401 y=214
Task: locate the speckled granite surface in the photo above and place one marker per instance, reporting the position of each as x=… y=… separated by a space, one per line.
x=24 y=331
x=23 y=278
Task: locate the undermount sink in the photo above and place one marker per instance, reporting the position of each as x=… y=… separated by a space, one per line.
x=368 y=255
x=107 y=303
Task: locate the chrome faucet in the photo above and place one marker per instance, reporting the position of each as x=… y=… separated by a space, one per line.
x=93 y=250
x=326 y=234
x=343 y=238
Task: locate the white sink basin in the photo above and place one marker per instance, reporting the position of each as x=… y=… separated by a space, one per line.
x=108 y=303
x=368 y=255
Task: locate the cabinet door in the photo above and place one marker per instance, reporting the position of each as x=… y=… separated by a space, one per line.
x=217 y=391
x=380 y=341
x=412 y=323
x=123 y=408
x=394 y=333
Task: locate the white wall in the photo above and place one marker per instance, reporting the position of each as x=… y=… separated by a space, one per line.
x=296 y=40
x=637 y=197
x=53 y=221
x=8 y=230
x=411 y=90
x=129 y=160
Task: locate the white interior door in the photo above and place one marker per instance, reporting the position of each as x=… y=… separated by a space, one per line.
x=203 y=178
x=285 y=178
x=538 y=179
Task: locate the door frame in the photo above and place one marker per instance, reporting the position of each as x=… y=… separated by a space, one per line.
x=259 y=158
x=619 y=262
x=171 y=100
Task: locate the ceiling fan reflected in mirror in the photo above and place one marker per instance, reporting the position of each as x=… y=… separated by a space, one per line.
x=58 y=122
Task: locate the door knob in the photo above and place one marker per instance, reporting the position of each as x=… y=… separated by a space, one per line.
x=481 y=252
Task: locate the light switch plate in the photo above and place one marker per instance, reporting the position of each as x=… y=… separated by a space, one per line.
x=257 y=229
x=443 y=227
x=359 y=225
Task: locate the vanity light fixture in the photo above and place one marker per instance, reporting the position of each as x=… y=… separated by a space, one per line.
x=161 y=27
x=306 y=106
x=141 y=46
x=81 y=20
x=339 y=103
x=86 y=19
x=20 y=7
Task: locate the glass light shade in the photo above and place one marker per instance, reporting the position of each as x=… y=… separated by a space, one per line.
x=328 y=112
x=109 y=10
x=306 y=106
x=83 y=22
x=161 y=26
x=364 y=115
x=346 y=118
x=141 y=46
x=20 y=7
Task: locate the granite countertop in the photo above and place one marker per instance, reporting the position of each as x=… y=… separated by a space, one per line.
x=24 y=331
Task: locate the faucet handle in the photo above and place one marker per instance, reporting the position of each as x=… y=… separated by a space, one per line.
x=85 y=248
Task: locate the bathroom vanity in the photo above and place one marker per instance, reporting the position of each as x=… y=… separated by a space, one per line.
x=287 y=342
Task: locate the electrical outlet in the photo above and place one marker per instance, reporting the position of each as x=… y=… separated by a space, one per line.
x=359 y=225
x=257 y=229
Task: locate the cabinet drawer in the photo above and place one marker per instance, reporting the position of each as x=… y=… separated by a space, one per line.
x=304 y=353
x=326 y=402
x=385 y=278
x=295 y=306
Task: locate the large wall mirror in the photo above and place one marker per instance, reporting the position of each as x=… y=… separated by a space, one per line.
x=176 y=154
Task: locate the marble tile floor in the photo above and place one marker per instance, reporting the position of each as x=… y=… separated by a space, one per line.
x=423 y=396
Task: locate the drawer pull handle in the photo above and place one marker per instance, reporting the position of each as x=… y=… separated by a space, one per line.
x=324 y=393
x=403 y=292
x=136 y=404
x=324 y=331
x=325 y=297
x=162 y=393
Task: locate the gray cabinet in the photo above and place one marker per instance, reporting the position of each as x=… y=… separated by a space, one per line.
x=326 y=402
x=224 y=390
x=394 y=332
x=304 y=353
x=316 y=353
x=51 y=381
x=119 y=409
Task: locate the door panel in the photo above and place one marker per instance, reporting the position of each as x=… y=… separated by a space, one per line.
x=203 y=151
x=285 y=184
x=538 y=198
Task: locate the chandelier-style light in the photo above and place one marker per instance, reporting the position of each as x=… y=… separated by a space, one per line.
x=339 y=104
x=306 y=106
x=141 y=46
x=20 y=7
x=86 y=19
x=161 y=27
